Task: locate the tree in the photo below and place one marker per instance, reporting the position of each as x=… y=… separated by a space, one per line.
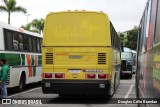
x=27 y=27
x=132 y=39
x=36 y=25
x=10 y=6
x=129 y=38
x=122 y=38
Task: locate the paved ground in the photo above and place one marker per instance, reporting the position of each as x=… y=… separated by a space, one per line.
x=126 y=89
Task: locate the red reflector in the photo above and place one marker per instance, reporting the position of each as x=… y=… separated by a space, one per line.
x=42 y=75
x=107 y=76
x=59 y=75
x=93 y=76
x=48 y=75
x=102 y=76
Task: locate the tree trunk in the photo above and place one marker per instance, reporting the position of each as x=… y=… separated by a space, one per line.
x=9 y=17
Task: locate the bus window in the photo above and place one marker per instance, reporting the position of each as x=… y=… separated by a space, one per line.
x=147 y=27
x=144 y=32
x=26 y=43
x=139 y=33
x=20 y=42
x=15 y=41
x=157 y=36
x=8 y=40
x=141 y=38
x=34 y=44
x=38 y=45
x=153 y=21
x=30 y=44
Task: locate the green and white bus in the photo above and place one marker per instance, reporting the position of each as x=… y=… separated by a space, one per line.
x=22 y=50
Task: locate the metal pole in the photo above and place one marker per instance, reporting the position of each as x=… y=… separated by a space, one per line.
x=27 y=17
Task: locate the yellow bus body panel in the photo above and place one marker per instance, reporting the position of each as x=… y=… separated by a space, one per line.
x=63 y=63
x=77 y=29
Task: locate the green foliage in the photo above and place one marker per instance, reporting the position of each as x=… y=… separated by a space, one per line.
x=122 y=38
x=130 y=39
x=27 y=27
x=10 y=6
x=36 y=25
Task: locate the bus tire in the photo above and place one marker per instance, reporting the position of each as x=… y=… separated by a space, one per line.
x=22 y=82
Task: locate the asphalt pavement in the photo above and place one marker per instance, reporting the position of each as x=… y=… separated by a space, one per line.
x=125 y=90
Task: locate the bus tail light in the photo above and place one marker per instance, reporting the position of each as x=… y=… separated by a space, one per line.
x=107 y=76
x=102 y=76
x=90 y=76
x=59 y=75
x=42 y=75
x=48 y=75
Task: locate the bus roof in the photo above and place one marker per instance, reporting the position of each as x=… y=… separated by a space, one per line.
x=10 y=27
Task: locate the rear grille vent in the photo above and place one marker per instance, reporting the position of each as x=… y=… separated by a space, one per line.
x=49 y=58
x=101 y=58
x=8 y=80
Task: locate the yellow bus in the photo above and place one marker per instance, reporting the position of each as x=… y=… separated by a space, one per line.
x=80 y=54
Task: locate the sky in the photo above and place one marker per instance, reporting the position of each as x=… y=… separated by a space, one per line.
x=124 y=14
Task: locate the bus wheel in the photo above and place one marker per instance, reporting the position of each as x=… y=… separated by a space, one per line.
x=21 y=83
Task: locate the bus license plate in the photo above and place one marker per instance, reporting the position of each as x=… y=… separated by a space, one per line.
x=74 y=71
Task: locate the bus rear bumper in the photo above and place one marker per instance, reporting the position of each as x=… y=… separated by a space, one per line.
x=126 y=74
x=93 y=87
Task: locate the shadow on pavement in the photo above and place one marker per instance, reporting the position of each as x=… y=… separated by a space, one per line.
x=79 y=100
x=14 y=90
